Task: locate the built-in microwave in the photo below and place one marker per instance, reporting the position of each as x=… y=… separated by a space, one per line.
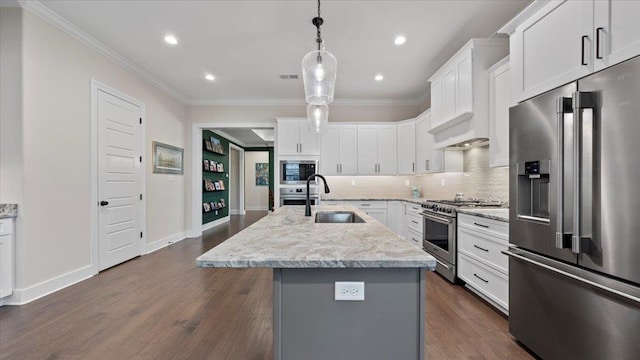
x=297 y=171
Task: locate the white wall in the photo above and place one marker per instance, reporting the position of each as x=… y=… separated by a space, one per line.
x=11 y=105
x=54 y=240
x=234 y=181
x=255 y=197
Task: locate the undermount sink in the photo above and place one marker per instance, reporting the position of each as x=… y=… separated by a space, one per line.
x=338 y=217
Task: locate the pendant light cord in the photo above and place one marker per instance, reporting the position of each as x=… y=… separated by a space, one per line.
x=318 y=22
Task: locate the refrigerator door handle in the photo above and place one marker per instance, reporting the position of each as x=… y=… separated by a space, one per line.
x=572 y=276
x=581 y=101
x=564 y=106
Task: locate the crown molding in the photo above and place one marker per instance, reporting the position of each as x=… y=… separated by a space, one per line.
x=37 y=8
x=424 y=96
x=301 y=102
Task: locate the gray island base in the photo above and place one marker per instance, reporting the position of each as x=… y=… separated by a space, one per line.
x=308 y=259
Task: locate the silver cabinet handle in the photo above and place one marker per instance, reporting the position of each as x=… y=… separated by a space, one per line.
x=478 y=247
x=300 y=147
x=427 y=164
x=574 y=277
x=341 y=168
x=337 y=168
x=413 y=221
x=476 y=275
x=413 y=166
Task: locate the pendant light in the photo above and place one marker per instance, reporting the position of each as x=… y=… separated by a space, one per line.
x=318 y=116
x=319 y=70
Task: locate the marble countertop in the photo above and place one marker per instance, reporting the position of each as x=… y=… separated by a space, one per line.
x=418 y=201
x=495 y=214
x=8 y=211
x=288 y=239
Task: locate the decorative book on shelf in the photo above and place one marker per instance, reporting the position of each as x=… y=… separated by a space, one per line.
x=213 y=205
x=213 y=185
x=213 y=145
x=212 y=166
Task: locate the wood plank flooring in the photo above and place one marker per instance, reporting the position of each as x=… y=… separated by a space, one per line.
x=161 y=306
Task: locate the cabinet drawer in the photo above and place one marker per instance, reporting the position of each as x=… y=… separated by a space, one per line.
x=367 y=204
x=6 y=226
x=414 y=222
x=493 y=284
x=484 y=247
x=414 y=237
x=483 y=225
x=411 y=208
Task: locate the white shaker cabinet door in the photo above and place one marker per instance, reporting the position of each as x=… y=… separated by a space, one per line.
x=309 y=140
x=329 y=164
x=553 y=47
x=367 y=150
x=423 y=144
x=348 y=147
x=407 y=148
x=436 y=102
x=288 y=138
x=499 y=103
x=617 y=28
x=387 y=150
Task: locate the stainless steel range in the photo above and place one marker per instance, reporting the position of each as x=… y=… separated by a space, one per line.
x=440 y=228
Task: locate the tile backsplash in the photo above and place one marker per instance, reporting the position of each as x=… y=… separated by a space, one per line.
x=477 y=181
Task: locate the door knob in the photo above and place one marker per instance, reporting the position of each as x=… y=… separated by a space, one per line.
x=104 y=203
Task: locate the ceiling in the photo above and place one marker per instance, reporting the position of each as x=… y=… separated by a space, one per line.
x=247 y=137
x=248 y=44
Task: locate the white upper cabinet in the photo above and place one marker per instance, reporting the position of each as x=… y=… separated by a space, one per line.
x=377 y=148
x=339 y=145
x=296 y=138
x=566 y=40
x=499 y=102
x=459 y=96
x=407 y=147
x=617 y=32
x=423 y=143
x=557 y=44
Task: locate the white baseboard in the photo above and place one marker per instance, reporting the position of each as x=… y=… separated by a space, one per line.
x=237 y=212
x=35 y=292
x=157 y=245
x=215 y=223
x=257 y=208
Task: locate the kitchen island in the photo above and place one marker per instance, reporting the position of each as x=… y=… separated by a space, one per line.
x=308 y=259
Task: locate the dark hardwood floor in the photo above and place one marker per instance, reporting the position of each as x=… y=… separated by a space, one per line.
x=161 y=306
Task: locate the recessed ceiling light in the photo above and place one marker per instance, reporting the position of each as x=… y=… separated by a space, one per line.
x=209 y=77
x=400 y=40
x=170 y=39
x=379 y=77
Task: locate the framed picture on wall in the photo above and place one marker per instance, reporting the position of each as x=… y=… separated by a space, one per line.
x=167 y=159
x=217 y=146
x=207 y=145
x=205 y=165
x=221 y=183
x=262 y=174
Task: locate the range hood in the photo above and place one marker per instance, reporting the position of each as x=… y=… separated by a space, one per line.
x=469 y=144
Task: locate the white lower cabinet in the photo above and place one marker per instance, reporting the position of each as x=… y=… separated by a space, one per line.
x=6 y=257
x=481 y=263
x=412 y=230
x=395 y=216
x=375 y=209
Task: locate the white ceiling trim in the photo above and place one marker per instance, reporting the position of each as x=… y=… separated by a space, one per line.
x=9 y=3
x=301 y=102
x=62 y=24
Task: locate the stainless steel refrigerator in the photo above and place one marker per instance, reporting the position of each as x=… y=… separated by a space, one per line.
x=574 y=194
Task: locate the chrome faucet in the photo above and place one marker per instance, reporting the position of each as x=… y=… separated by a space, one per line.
x=307 y=209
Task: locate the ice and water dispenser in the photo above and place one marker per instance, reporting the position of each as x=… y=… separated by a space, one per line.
x=533 y=190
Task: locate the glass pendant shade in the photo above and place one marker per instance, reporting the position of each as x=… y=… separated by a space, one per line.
x=318 y=116
x=319 y=75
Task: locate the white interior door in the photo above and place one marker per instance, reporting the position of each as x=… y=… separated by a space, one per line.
x=119 y=180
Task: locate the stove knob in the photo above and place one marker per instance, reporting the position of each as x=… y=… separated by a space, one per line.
x=449 y=211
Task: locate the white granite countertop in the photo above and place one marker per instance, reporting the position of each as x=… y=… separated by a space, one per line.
x=330 y=197
x=288 y=239
x=495 y=214
x=8 y=211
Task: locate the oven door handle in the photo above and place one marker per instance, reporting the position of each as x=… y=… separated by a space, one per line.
x=443 y=264
x=438 y=219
